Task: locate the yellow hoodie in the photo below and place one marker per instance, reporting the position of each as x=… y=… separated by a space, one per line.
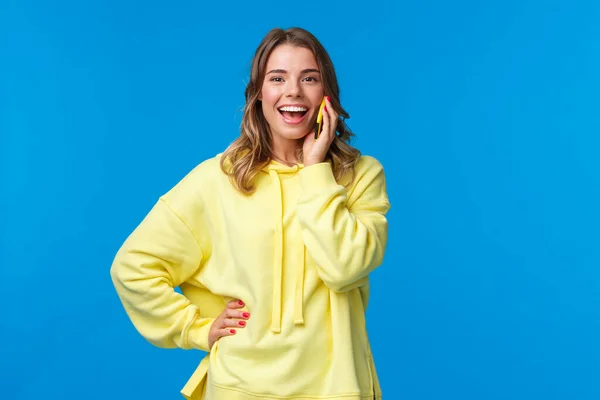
x=298 y=252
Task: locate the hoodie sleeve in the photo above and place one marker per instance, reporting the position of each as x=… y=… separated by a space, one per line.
x=160 y=254
x=345 y=234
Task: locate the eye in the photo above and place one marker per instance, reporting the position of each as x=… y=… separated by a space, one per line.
x=311 y=79
x=276 y=79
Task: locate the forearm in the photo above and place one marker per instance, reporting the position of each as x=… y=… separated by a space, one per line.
x=346 y=243
x=159 y=255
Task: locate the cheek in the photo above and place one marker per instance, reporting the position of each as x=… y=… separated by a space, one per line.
x=316 y=95
x=269 y=96
x=320 y=93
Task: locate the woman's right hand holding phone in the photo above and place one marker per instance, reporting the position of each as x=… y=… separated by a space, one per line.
x=224 y=325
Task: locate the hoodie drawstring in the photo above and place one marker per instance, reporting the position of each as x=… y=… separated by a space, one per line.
x=278 y=254
x=278 y=263
x=298 y=313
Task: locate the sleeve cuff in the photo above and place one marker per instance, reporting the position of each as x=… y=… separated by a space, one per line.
x=198 y=334
x=317 y=177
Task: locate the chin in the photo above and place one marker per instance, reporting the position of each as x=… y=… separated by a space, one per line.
x=292 y=134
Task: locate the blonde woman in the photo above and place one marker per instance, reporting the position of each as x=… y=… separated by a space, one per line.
x=271 y=244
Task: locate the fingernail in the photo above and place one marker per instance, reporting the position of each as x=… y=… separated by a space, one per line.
x=328 y=98
x=246 y=315
x=242 y=323
x=241 y=303
x=324 y=108
x=232 y=331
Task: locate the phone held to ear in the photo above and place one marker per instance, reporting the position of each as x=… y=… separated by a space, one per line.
x=319 y=123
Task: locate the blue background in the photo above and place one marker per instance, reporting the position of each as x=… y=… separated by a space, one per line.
x=485 y=117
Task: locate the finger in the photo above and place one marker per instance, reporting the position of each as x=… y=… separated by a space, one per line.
x=325 y=127
x=233 y=323
x=239 y=314
x=226 y=332
x=235 y=304
x=331 y=117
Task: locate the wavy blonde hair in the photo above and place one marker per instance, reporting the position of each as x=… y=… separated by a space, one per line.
x=252 y=151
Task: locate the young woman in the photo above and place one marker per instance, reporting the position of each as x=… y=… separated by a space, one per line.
x=271 y=244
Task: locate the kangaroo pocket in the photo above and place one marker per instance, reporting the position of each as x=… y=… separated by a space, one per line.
x=284 y=367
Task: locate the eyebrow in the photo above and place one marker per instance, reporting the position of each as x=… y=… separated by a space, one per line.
x=283 y=71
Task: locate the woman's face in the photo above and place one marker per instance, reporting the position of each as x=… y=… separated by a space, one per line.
x=291 y=92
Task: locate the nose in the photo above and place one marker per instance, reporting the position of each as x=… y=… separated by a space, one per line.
x=293 y=88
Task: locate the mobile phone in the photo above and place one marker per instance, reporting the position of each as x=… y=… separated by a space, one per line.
x=319 y=122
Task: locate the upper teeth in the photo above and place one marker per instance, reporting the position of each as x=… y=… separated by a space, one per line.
x=292 y=109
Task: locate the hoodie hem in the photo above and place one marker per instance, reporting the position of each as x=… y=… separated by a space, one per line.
x=218 y=392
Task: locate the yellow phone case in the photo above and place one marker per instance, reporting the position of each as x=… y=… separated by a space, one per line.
x=319 y=123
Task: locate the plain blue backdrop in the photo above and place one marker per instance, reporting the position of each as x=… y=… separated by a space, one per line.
x=484 y=114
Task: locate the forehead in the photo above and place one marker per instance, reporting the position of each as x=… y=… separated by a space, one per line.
x=291 y=58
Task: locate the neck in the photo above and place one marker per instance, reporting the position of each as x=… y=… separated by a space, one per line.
x=286 y=151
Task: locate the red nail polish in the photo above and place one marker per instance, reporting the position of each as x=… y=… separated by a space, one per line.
x=241 y=303
x=324 y=108
x=328 y=98
x=232 y=331
x=242 y=323
x=246 y=315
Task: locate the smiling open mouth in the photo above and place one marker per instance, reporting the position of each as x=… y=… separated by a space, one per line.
x=293 y=115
